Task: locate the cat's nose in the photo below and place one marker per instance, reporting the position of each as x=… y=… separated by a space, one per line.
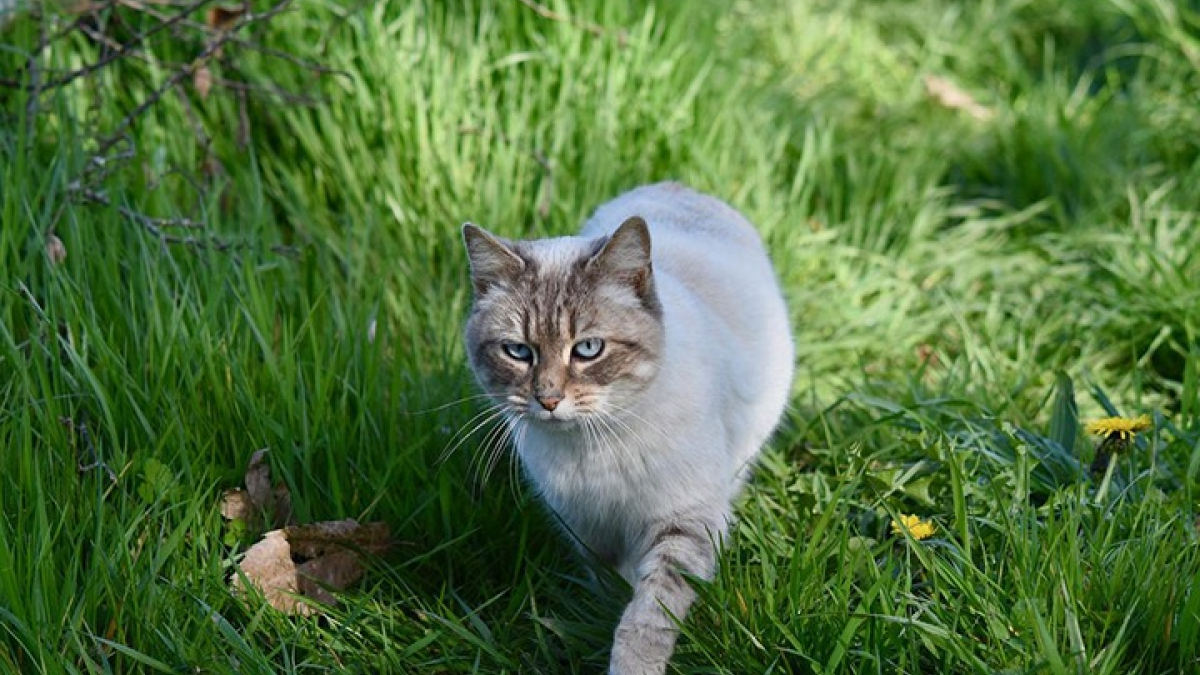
x=549 y=401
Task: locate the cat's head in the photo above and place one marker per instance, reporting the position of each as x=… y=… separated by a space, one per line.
x=563 y=328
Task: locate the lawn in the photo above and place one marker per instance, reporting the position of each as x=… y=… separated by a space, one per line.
x=984 y=215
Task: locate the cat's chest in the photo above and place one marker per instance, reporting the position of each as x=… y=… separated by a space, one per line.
x=599 y=484
x=577 y=471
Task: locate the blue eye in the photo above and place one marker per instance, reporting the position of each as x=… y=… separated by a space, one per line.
x=518 y=351
x=588 y=349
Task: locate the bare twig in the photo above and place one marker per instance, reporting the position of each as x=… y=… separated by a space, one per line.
x=100 y=198
x=185 y=72
x=159 y=226
x=331 y=28
x=84 y=437
x=33 y=65
x=119 y=51
x=202 y=137
x=109 y=25
x=311 y=66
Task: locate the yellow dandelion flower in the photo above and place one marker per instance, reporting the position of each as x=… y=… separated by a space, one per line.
x=1123 y=428
x=919 y=529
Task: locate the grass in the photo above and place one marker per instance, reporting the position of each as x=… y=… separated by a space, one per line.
x=965 y=293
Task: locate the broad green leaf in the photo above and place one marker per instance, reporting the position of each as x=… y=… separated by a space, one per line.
x=1064 y=425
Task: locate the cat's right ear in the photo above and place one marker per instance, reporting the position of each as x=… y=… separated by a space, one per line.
x=493 y=263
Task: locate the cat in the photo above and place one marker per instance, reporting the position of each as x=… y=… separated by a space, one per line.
x=640 y=367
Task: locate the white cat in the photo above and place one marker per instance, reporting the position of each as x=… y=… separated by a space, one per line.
x=641 y=366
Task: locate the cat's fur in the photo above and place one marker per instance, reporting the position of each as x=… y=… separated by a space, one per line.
x=648 y=443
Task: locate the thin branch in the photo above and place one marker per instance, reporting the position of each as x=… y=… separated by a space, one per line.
x=202 y=137
x=82 y=436
x=114 y=147
x=151 y=222
x=33 y=65
x=157 y=227
x=236 y=40
x=121 y=50
x=212 y=48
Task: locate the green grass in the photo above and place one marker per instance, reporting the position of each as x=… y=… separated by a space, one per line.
x=965 y=293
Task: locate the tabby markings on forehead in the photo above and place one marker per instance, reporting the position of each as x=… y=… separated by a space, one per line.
x=553 y=304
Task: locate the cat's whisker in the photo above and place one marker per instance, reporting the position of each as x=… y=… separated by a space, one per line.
x=492 y=443
x=600 y=436
x=478 y=474
x=630 y=453
x=450 y=404
x=609 y=418
x=631 y=413
x=592 y=423
x=489 y=414
x=520 y=426
x=475 y=460
x=496 y=451
x=590 y=441
x=596 y=435
x=470 y=426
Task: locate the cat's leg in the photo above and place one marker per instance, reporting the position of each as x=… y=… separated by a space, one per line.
x=646 y=635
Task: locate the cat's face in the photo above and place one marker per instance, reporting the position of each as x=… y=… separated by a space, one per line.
x=563 y=329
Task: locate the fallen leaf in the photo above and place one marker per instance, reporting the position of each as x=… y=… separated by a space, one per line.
x=202 y=80
x=258 y=480
x=297 y=568
x=318 y=539
x=283 y=505
x=336 y=570
x=268 y=566
x=236 y=505
x=55 y=250
x=223 y=18
x=949 y=95
x=260 y=503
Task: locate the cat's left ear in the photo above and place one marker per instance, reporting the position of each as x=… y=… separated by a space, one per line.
x=626 y=255
x=493 y=263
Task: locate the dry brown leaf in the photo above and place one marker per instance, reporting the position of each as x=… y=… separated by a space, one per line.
x=297 y=563
x=223 y=18
x=236 y=505
x=949 y=95
x=258 y=480
x=202 y=80
x=259 y=503
x=268 y=567
x=55 y=250
x=337 y=570
x=318 y=539
x=283 y=505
